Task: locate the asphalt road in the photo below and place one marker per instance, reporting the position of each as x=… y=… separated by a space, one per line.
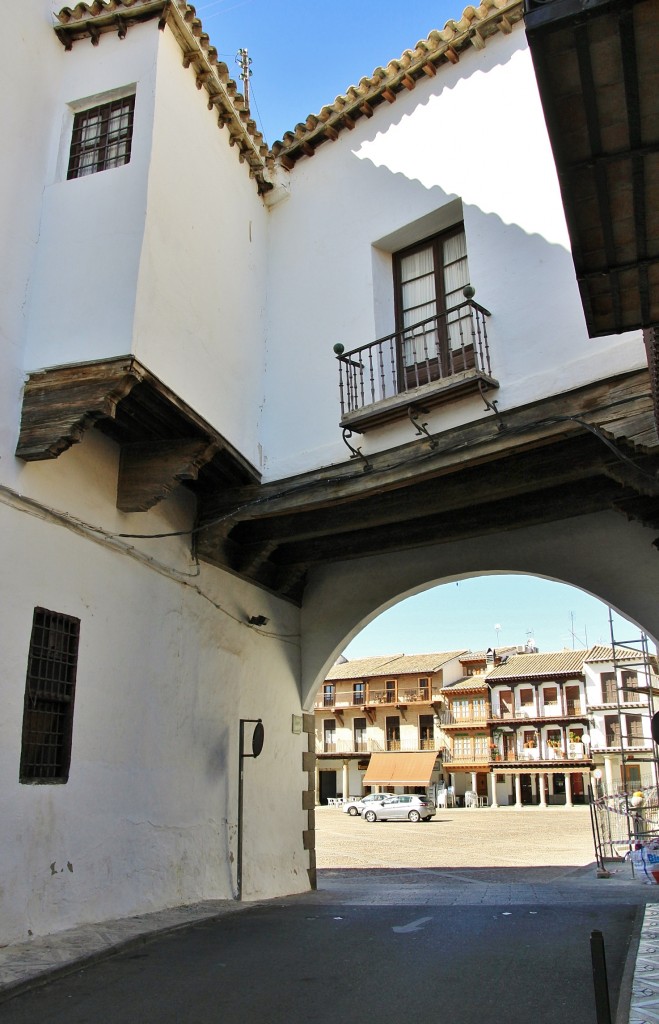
x=299 y=961
x=493 y=927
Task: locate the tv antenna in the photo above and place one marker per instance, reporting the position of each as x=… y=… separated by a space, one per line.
x=244 y=60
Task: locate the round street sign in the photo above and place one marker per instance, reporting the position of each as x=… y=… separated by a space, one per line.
x=257 y=739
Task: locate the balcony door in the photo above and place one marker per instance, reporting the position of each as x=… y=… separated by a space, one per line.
x=429 y=278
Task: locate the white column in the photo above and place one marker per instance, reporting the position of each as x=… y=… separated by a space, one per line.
x=608 y=775
x=493 y=791
x=346 y=781
x=518 y=791
x=317 y=774
x=568 y=790
x=473 y=782
x=543 y=793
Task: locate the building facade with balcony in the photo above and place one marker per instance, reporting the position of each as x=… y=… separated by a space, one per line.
x=194 y=462
x=390 y=704
x=539 y=727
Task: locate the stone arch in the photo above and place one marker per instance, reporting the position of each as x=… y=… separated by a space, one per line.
x=602 y=554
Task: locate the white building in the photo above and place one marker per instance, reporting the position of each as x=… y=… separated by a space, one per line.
x=165 y=574
x=622 y=697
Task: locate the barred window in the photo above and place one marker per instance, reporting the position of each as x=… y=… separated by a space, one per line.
x=49 y=695
x=101 y=137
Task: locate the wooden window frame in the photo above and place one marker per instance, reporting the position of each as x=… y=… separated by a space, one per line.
x=436 y=242
x=102 y=160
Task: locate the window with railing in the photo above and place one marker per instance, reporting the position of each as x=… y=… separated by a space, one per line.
x=358 y=693
x=609 y=685
x=328 y=695
x=359 y=733
x=481 y=746
x=392 y=732
x=329 y=736
x=612 y=732
x=635 y=730
x=462 y=746
x=426 y=732
x=630 y=686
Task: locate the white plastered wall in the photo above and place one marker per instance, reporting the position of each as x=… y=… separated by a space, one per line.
x=200 y=317
x=167 y=667
x=474 y=133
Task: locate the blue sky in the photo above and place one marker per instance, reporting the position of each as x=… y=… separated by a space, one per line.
x=304 y=54
x=467 y=614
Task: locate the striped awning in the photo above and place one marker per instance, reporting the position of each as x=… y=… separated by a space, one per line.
x=399 y=769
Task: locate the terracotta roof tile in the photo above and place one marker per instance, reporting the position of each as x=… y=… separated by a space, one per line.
x=90 y=20
x=441 y=46
x=392 y=665
x=475 y=682
x=603 y=653
x=537 y=665
x=477 y=23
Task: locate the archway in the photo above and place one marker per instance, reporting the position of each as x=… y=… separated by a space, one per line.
x=601 y=554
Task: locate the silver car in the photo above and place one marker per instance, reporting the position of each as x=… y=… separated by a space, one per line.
x=358 y=806
x=406 y=806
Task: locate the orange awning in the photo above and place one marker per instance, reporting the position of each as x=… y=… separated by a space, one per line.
x=397 y=769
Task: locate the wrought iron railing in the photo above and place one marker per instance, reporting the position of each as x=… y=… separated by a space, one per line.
x=370 y=746
x=434 y=349
x=527 y=711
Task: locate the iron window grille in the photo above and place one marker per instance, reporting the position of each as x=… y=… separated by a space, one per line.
x=49 y=696
x=102 y=137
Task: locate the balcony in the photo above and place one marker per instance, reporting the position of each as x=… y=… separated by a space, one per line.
x=542 y=753
x=568 y=709
x=391 y=695
x=370 y=746
x=468 y=716
x=427 y=364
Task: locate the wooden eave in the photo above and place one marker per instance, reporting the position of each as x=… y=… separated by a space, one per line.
x=549 y=462
x=598 y=76
x=441 y=47
x=90 y=21
x=163 y=441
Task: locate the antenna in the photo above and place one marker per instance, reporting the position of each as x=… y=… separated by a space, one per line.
x=243 y=58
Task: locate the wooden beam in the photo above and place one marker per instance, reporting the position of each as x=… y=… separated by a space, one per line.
x=59 y=405
x=608 y=403
x=577 y=460
x=150 y=471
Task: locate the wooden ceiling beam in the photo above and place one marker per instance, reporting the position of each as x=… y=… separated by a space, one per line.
x=150 y=471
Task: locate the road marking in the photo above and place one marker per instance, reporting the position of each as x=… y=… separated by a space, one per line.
x=414 y=926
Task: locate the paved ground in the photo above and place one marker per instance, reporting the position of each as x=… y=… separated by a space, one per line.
x=538 y=845
x=521 y=860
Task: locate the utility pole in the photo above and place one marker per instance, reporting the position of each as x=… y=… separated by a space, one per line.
x=244 y=60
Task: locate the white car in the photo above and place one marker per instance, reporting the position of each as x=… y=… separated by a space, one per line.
x=397 y=808
x=358 y=805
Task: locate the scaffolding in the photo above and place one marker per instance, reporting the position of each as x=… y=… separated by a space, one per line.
x=625 y=817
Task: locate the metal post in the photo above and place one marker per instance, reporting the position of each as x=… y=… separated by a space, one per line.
x=257 y=744
x=600 y=981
